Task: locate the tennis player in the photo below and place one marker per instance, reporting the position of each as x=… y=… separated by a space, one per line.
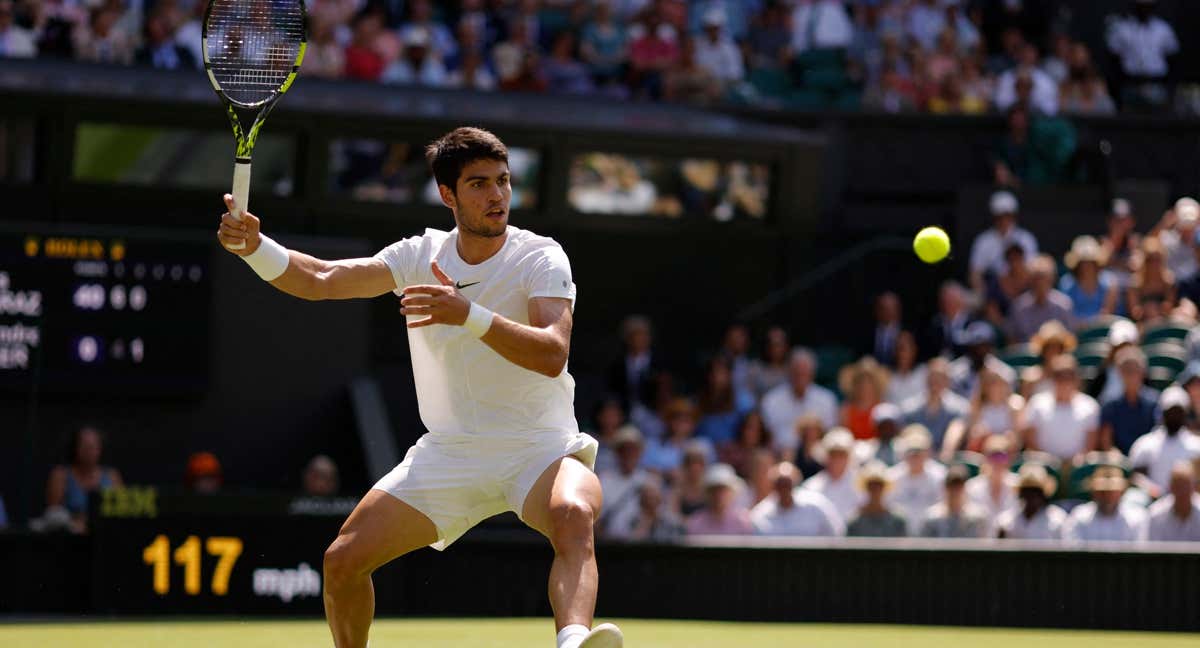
x=489 y=314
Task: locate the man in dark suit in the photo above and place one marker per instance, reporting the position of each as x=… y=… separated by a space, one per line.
x=632 y=377
x=887 y=328
x=160 y=49
x=946 y=328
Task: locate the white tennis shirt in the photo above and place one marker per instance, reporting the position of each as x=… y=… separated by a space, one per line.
x=464 y=388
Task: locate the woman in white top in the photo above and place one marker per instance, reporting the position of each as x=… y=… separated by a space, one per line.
x=908 y=379
x=994 y=489
x=995 y=409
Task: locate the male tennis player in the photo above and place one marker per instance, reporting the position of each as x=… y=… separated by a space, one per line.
x=488 y=308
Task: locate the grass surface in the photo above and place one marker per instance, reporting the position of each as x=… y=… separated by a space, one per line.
x=535 y=633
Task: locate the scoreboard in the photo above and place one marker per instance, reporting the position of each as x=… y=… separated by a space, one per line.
x=88 y=310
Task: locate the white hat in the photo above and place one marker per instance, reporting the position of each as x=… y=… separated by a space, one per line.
x=714 y=17
x=838 y=438
x=1188 y=210
x=1004 y=202
x=721 y=475
x=1174 y=396
x=1121 y=207
x=885 y=412
x=1122 y=332
x=416 y=36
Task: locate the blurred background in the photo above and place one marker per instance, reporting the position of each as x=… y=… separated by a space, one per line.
x=792 y=408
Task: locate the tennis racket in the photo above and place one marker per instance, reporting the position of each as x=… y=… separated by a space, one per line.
x=252 y=52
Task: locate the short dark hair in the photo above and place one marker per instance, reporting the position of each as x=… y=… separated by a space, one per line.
x=448 y=154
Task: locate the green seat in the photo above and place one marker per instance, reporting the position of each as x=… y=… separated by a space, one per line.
x=1019 y=356
x=804 y=99
x=848 y=100
x=1171 y=331
x=1172 y=363
x=1165 y=348
x=973 y=461
x=1077 y=481
x=828 y=78
x=771 y=82
x=830 y=360
x=1048 y=461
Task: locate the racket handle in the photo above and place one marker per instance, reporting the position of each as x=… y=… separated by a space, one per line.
x=241 y=193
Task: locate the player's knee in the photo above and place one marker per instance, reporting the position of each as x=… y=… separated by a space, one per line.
x=572 y=520
x=340 y=565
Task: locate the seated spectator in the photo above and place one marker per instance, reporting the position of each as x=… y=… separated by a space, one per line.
x=1084 y=91
x=863 y=384
x=687 y=81
x=792 y=511
x=159 y=48
x=735 y=348
x=720 y=409
x=1106 y=517
x=471 y=73
x=783 y=406
x=1004 y=289
x=632 y=376
x=1120 y=243
x=977 y=88
x=1177 y=233
x=564 y=73
x=926 y=22
x=1056 y=64
x=687 y=492
x=716 y=52
x=977 y=341
x=888 y=326
x=909 y=378
x=721 y=514
x=1176 y=516
x=896 y=91
x=820 y=25
x=836 y=481
x=955 y=516
x=1144 y=43
x=1109 y=385
x=364 y=60
x=511 y=55
x=653 y=50
x=321 y=477
x=758 y=476
x=952 y=98
x=994 y=489
x=987 y=250
x=420 y=64
x=807 y=454
x=1157 y=452
x=875 y=519
x=1063 y=421
x=70 y=485
x=15 y=41
x=1044 y=91
x=751 y=435
x=917 y=482
x=203 y=474
x=943 y=61
x=885 y=419
x=768 y=45
x=1036 y=150
x=1034 y=518
x=602 y=44
x=440 y=41
x=665 y=455
x=607 y=418
x=1092 y=292
x=103 y=39
x=653 y=521
x=772 y=370
x=995 y=409
x=938 y=407
x=1189 y=380
x=621 y=484
x=1130 y=416
x=324 y=56
x=947 y=327
x=1151 y=295
x=1041 y=304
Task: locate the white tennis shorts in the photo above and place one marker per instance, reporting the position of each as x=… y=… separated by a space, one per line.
x=457 y=483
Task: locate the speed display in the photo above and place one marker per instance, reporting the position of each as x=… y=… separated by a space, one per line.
x=84 y=310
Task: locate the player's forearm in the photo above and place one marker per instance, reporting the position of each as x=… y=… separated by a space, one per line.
x=302 y=277
x=542 y=350
x=315 y=279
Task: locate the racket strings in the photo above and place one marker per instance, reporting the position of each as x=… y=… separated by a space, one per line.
x=252 y=46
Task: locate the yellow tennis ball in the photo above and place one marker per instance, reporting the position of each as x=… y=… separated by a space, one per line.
x=931 y=244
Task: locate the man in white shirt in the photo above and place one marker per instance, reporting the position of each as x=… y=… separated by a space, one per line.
x=1035 y=518
x=1043 y=95
x=783 y=405
x=621 y=484
x=488 y=310
x=15 y=42
x=1154 y=454
x=987 y=251
x=821 y=24
x=1178 y=236
x=1062 y=421
x=1106 y=518
x=917 y=482
x=836 y=482
x=716 y=52
x=795 y=511
x=1176 y=517
x=1142 y=41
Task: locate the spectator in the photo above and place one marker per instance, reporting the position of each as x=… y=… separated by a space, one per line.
x=437 y=36
x=324 y=57
x=603 y=46
x=820 y=25
x=943 y=61
x=1084 y=92
x=836 y=480
x=1151 y=295
x=666 y=455
x=1034 y=518
x=720 y=409
x=631 y=378
x=471 y=73
x=15 y=41
x=1177 y=233
x=566 y=74
x=885 y=419
x=769 y=42
x=1128 y=417
x=807 y=454
x=510 y=57
x=721 y=514
x=1121 y=334
x=1036 y=149
x=529 y=76
x=875 y=518
x=792 y=511
x=772 y=370
x=926 y=23
x=938 y=407
x=420 y=63
x=607 y=418
x=887 y=328
x=1004 y=289
x=321 y=477
x=1120 y=242
x=687 y=81
x=1063 y=421
x=863 y=383
x=735 y=348
x=917 y=482
x=103 y=40
x=1106 y=517
x=1189 y=380
x=786 y=403
x=622 y=484
x=995 y=409
x=1155 y=453
x=203 y=474
x=978 y=339
x=987 y=251
x=1041 y=304
x=364 y=60
x=653 y=522
x=1144 y=43
x=716 y=52
x=948 y=325
x=994 y=489
x=71 y=484
x=1176 y=517
x=159 y=48
x=688 y=496
x=978 y=88
x=653 y=50
x=1043 y=96
x=752 y=435
x=955 y=516
x=952 y=98
x=896 y=91
x=909 y=378
x=1092 y=292
x=1057 y=64
x=1052 y=340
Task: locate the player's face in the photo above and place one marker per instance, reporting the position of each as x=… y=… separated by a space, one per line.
x=481 y=199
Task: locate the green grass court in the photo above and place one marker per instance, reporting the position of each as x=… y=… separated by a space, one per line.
x=537 y=633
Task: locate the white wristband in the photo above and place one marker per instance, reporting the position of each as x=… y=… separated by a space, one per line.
x=270 y=259
x=479 y=320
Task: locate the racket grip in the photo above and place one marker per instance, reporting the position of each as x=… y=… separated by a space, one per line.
x=241 y=193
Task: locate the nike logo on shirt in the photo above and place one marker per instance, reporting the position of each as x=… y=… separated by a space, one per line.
x=460 y=285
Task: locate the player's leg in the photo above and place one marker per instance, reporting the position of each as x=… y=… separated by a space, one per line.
x=380 y=529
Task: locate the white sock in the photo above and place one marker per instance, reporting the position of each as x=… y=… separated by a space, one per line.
x=572 y=635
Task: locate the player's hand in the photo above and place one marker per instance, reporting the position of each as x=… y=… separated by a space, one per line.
x=443 y=304
x=234 y=231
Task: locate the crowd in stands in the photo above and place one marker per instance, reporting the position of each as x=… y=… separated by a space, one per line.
x=940 y=56
x=1042 y=402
